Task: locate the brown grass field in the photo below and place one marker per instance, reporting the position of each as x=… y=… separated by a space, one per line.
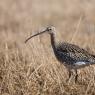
x=32 y=69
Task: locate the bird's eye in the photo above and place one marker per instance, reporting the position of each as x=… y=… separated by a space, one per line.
x=49 y=29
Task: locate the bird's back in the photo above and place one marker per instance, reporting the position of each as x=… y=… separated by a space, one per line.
x=72 y=54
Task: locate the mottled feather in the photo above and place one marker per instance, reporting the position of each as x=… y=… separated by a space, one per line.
x=75 y=53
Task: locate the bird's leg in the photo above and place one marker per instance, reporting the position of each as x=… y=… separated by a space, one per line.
x=70 y=76
x=76 y=75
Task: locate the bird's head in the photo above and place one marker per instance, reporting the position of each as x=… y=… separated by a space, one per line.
x=49 y=29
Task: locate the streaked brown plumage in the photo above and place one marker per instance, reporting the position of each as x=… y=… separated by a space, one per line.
x=71 y=55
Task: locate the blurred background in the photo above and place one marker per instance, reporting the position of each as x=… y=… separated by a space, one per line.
x=23 y=17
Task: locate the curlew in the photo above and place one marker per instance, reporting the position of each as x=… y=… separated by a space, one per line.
x=72 y=56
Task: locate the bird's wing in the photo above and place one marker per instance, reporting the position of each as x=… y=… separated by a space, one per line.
x=75 y=52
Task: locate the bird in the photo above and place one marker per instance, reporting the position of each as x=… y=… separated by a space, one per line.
x=72 y=56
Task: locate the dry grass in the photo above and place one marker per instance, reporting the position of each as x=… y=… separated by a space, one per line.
x=32 y=69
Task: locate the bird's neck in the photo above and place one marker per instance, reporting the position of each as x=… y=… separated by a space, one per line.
x=53 y=40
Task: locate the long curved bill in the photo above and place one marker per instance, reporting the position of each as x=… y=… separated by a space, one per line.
x=34 y=35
